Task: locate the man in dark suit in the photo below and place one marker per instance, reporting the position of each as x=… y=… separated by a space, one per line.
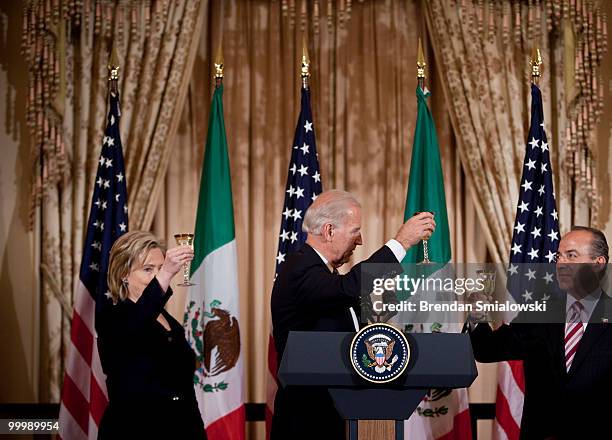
x=310 y=295
x=567 y=364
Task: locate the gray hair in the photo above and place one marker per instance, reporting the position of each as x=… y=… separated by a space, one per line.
x=330 y=207
x=599 y=245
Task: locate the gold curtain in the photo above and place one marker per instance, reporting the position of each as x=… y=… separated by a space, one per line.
x=483 y=51
x=364 y=108
x=66 y=45
x=363 y=64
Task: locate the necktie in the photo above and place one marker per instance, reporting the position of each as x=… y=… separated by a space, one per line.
x=574 y=329
x=335 y=271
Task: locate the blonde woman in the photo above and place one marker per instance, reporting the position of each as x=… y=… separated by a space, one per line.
x=148 y=363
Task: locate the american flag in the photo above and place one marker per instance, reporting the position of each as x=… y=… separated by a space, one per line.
x=535 y=240
x=84 y=395
x=303 y=186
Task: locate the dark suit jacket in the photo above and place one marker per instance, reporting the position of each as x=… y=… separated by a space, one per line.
x=558 y=404
x=307 y=297
x=149 y=371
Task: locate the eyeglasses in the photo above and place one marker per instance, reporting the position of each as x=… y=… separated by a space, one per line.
x=570 y=256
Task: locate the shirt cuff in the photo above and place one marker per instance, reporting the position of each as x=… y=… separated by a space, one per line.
x=397 y=249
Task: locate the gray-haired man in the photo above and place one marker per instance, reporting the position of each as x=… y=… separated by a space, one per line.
x=310 y=295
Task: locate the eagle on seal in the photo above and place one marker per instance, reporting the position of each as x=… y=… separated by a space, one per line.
x=380 y=355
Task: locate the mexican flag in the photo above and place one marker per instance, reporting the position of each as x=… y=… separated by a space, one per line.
x=212 y=308
x=442 y=414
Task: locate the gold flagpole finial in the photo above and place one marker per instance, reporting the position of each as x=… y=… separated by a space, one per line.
x=219 y=67
x=421 y=64
x=305 y=69
x=536 y=63
x=113 y=65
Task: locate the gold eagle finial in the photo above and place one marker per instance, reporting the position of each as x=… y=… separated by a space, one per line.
x=536 y=63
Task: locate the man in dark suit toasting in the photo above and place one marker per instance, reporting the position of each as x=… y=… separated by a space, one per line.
x=310 y=295
x=567 y=365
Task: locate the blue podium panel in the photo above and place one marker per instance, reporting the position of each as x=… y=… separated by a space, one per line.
x=321 y=359
x=438 y=360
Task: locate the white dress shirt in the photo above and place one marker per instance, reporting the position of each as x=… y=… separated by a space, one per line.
x=588 y=302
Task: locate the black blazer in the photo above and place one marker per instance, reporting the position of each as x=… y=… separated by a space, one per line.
x=307 y=297
x=149 y=371
x=558 y=404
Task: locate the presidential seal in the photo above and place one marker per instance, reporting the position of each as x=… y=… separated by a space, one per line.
x=380 y=353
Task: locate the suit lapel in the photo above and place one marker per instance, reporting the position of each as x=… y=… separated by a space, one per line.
x=593 y=332
x=312 y=255
x=591 y=335
x=557 y=347
x=314 y=258
x=556 y=332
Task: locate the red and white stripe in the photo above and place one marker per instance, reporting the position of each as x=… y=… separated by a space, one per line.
x=510 y=397
x=271 y=384
x=84 y=397
x=574 y=329
x=573 y=335
x=509 y=401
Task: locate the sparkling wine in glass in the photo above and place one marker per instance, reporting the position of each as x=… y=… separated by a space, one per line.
x=426 y=259
x=182 y=240
x=487 y=275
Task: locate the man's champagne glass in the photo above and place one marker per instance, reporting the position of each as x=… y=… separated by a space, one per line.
x=182 y=240
x=426 y=259
x=488 y=280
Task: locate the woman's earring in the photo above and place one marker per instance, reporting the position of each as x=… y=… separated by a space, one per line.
x=124 y=281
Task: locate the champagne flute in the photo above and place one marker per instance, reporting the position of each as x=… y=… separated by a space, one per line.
x=182 y=240
x=487 y=275
x=426 y=259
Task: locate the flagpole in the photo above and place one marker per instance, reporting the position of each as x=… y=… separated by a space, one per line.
x=421 y=66
x=215 y=291
x=82 y=407
x=305 y=69
x=421 y=84
x=537 y=173
x=301 y=189
x=425 y=192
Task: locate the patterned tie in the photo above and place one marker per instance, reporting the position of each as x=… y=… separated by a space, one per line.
x=574 y=329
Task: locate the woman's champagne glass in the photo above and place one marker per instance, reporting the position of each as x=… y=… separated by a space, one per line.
x=426 y=259
x=182 y=240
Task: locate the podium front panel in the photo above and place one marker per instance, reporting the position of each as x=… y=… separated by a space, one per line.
x=437 y=360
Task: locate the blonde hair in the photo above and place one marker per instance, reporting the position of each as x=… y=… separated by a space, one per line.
x=128 y=251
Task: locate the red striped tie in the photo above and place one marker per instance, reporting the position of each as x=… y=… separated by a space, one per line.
x=574 y=329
